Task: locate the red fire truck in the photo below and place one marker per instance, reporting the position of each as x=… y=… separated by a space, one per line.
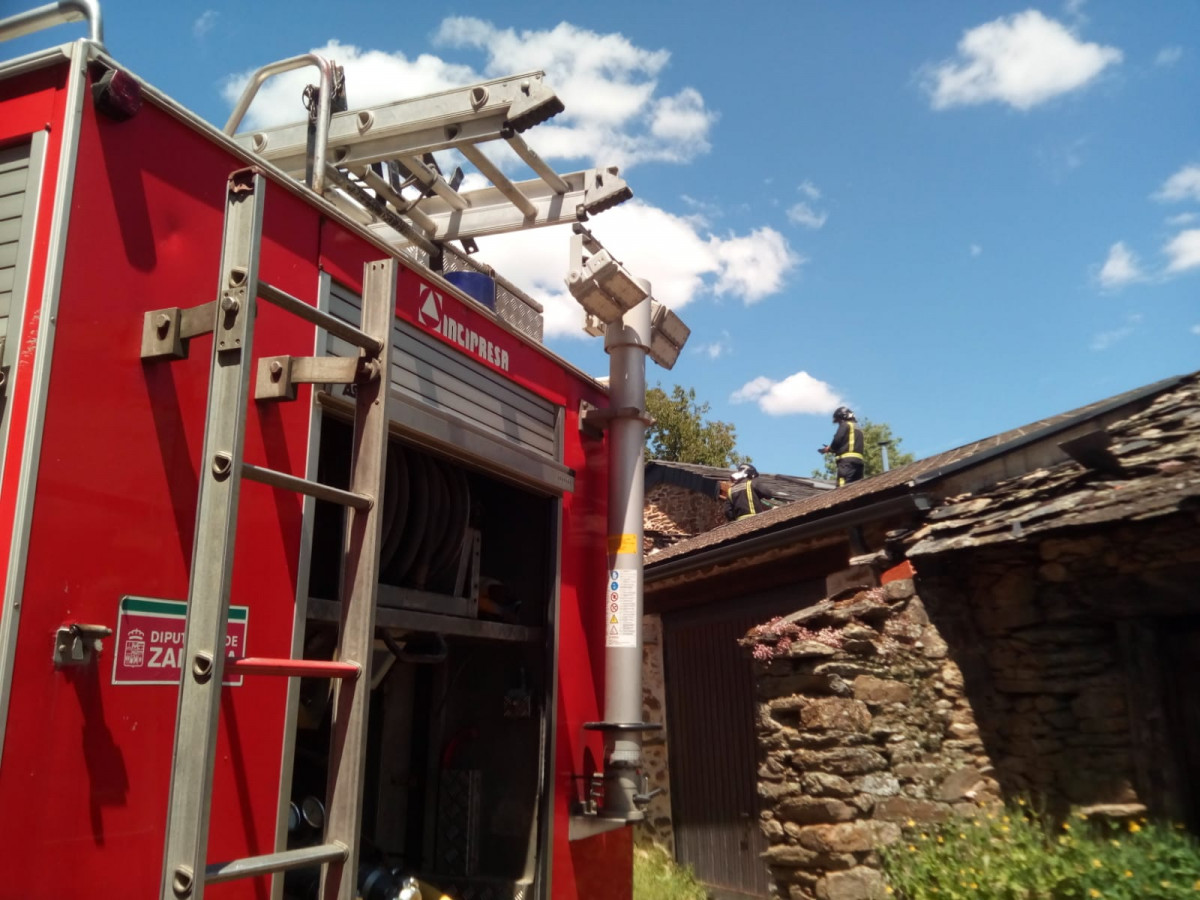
x=312 y=584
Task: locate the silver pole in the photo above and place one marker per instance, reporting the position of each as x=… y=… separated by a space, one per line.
x=627 y=344
x=883 y=449
x=56 y=14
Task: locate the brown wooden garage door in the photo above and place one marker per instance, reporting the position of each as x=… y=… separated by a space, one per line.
x=710 y=721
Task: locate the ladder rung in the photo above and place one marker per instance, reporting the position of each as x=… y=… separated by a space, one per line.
x=538 y=165
x=501 y=181
x=367 y=175
x=332 y=324
x=304 y=486
x=275 y=862
x=434 y=182
x=306 y=668
x=373 y=206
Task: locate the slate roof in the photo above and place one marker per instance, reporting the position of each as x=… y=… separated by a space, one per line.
x=707 y=480
x=901 y=480
x=1144 y=466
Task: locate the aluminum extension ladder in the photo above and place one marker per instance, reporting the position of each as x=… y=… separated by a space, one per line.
x=376 y=163
x=231 y=319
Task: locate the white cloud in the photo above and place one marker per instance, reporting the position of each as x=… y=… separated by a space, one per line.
x=976 y=250
x=752 y=266
x=1182 y=219
x=1106 y=339
x=614 y=115
x=680 y=259
x=607 y=84
x=704 y=211
x=1168 y=56
x=1022 y=60
x=1183 y=185
x=204 y=23
x=1196 y=329
x=803 y=214
x=1120 y=268
x=716 y=349
x=1183 y=251
x=798 y=393
x=372 y=77
x=681 y=118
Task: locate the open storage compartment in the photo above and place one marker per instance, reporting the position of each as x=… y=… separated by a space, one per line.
x=457 y=750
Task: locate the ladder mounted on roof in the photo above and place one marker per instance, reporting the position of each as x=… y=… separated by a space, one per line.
x=377 y=163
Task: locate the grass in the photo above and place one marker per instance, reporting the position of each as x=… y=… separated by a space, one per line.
x=656 y=876
x=1016 y=854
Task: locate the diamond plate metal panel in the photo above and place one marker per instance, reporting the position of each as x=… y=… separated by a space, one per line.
x=458 y=821
x=513 y=305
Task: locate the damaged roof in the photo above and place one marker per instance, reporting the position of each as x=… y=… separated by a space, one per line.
x=896 y=483
x=707 y=480
x=1144 y=466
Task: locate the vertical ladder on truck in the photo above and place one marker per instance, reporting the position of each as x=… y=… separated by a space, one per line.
x=185 y=870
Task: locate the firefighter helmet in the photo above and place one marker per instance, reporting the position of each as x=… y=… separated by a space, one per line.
x=745 y=470
x=843 y=414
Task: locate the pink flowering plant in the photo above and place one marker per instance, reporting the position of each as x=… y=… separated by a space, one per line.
x=775 y=638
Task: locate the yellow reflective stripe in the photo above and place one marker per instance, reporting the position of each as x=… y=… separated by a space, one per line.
x=850 y=456
x=749 y=499
x=850 y=441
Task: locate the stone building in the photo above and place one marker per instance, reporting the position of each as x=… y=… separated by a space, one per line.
x=972 y=626
x=1071 y=599
x=684 y=500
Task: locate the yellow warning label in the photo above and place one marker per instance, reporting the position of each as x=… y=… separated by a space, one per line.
x=613 y=621
x=622 y=543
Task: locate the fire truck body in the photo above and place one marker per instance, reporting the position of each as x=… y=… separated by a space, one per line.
x=476 y=744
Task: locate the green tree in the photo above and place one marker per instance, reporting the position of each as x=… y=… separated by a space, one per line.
x=874 y=434
x=680 y=432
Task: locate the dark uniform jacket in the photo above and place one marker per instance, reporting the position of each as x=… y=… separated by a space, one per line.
x=744 y=500
x=848 y=446
x=848 y=441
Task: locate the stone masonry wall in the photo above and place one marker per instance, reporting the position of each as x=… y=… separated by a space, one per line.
x=863 y=726
x=1047 y=633
x=671 y=510
x=657 y=825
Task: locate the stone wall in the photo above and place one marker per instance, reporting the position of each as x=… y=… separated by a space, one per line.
x=657 y=825
x=1029 y=668
x=673 y=513
x=1058 y=639
x=863 y=726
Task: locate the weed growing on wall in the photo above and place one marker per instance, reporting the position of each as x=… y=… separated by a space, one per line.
x=1016 y=854
x=656 y=876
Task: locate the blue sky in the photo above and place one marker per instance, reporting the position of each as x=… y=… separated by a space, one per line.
x=954 y=217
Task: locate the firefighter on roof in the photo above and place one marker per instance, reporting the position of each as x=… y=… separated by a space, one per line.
x=847 y=445
x=745 y=499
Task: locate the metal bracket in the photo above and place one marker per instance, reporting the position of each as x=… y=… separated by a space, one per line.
x=594 y=419
x=278 y=375
x=584 y=825
x=166 y=332
x=77 y=643
x=3 y=375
